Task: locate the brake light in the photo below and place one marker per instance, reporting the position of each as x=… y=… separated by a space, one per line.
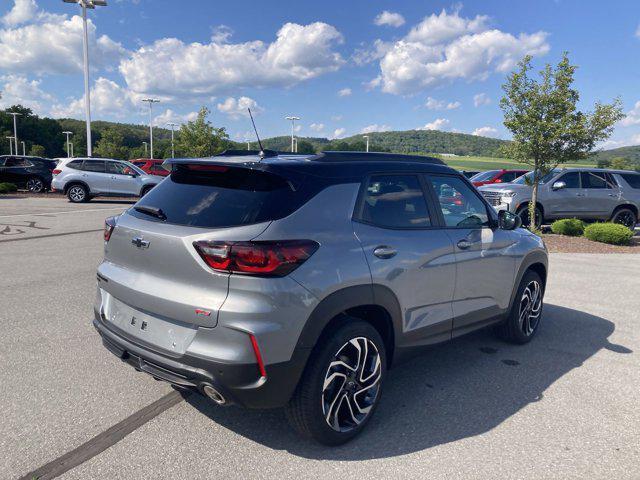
x=56 y=171
x=109 y=225
x=268 y=259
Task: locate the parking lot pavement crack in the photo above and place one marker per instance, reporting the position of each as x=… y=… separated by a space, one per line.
x=106 y=439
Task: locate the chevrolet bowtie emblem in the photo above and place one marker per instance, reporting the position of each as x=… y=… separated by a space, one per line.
x=140 y=243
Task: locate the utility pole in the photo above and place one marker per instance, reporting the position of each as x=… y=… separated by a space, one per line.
x=151 y=101
x=171 y=124
x=10 y=145
x=145 y=150
x=71 y=145
x=293 y=121
x=67 y=133
x=367 y=137
x=15 y=129
x=85 y=50
x=24 y=154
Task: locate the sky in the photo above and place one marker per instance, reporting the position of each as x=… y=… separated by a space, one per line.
x=344 y=67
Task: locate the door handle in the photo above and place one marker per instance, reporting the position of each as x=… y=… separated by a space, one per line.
x=579 y=194
x=384 y=252
x=613 y=195
x=464 y=244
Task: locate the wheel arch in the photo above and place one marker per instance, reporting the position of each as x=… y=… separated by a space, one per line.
x=535 y=261
x=70 y=184
x=630 y=206
x=525 y=204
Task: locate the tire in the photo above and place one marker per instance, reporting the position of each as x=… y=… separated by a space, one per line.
x=625 y=216
x=521 y=327
x=523 y=213
x=78 y=193
x=35 y=185
x=329 y=380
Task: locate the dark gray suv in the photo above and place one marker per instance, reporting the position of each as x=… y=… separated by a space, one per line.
x=271 y=280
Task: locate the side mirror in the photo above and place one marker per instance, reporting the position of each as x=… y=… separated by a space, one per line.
x=508 y=220
x=558 y=185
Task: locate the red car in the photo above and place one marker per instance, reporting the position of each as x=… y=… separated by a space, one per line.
x=151 y=166
x=496 y=176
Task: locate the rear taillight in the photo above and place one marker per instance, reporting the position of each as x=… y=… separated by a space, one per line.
x=56 y=171
x=109 y=225
x=267 y=259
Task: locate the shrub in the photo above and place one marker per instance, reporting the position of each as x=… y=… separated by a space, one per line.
x=612 y=233
x=8 y=188
x=568 y=226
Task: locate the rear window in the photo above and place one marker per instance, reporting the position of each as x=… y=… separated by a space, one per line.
x=227 y=197
x=485 y=176
x=633 y=179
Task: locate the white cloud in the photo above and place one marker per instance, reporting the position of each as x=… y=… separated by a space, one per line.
x=391 y=19
x=633 y=116
x=345 y=92
x=447 y=47
x=317 y=127
x=375 y=128
x=481 y=99
x=434 y=104
x=236 y=108
x=221 y=34
x=107 y=99
x=437 y=124
x=339 y=132
x=485 y=132
x=17 y=89
x=368 y=54
x=638 y=31
x=22 y=11
x=53 y=44
x=171 y=67
x=169 y=116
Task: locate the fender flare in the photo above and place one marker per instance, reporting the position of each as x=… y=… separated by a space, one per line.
x=535 y=257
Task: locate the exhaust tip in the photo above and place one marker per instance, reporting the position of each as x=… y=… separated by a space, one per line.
x=214 y=395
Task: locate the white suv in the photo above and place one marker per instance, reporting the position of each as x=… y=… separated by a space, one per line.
x=81 y=179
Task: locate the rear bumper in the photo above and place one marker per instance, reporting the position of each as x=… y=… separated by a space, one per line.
x=240 y=384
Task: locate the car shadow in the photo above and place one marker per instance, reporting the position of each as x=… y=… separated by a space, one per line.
x=455 y=390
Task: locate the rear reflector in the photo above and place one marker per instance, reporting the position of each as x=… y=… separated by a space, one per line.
x=266 y=259
x=109 y=225
x=256 y=351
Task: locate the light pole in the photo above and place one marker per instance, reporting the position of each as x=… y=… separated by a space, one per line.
x=24 y=154
x=71 y=145
x=293 y=121
x=10 y=145
x=248 y=144
x=15 y=129
x=85 y=49
x=367 y=137
x=151 y=101
x=145 y=150
x=295 y=145
x=67 y=133
x=172 y=125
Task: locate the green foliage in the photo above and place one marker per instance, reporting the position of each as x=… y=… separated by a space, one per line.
x=37 y=150
x=547 y=127
x=8 y=188
x=305 y=147
x=620 y=163
x=568 y=226
x=612 y=233
x=199 y=138
x=111 y=145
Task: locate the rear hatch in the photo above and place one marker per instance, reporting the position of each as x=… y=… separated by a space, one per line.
x=152 y=272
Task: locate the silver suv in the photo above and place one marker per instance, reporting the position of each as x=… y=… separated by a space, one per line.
x=586 y=193
x=82 y=179
x=297 y=281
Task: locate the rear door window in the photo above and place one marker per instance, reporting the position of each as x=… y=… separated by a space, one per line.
x=211 y=196
x=93 y=166
x=75 y=164
x=594 y=180
x=395 y=201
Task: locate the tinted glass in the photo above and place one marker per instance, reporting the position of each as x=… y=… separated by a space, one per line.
x=460 y=206
x=17 y=162
x=395 y=201
x=93 y=166
x=594 y=180
x=572 y=179
x=75 y=164
x=158 y=168
x=118 y=168
x=508 y=177
x=485 y=176
x=632 y=179
x=225 y=198
x=527 y=178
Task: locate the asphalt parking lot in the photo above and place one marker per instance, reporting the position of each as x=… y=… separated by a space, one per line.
x=564 y=406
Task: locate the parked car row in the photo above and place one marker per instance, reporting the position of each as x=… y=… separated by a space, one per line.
x=31 y=173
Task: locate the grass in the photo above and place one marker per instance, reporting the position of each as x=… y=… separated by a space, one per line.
x=493 y=163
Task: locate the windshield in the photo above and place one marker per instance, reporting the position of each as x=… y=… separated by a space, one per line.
x=527 y=178
x=484 y=176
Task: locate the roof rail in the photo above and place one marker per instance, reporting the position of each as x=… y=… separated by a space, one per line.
x=246 y=153
x=351 y=156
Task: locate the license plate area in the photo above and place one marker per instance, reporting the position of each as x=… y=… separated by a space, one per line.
x=166 y=334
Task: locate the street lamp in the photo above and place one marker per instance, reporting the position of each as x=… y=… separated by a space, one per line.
x=171 y=124
x=151 y=101
x=67 y=134
x=295 y=145
x=15 y=129
x=71 y=145
x=367 y=137
x=24 y=154
x=248 y=144
x=145 y=150
x=10 y=145
x=293 y=121
x=85 y=49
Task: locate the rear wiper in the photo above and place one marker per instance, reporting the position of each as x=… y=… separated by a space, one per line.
x=153 y=211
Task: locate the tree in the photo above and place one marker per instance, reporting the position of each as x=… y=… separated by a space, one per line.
x=199 y=138
x=37 y=150
x=305 y=147
x=621 y=163
x=546 y=125
x=111 y=145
